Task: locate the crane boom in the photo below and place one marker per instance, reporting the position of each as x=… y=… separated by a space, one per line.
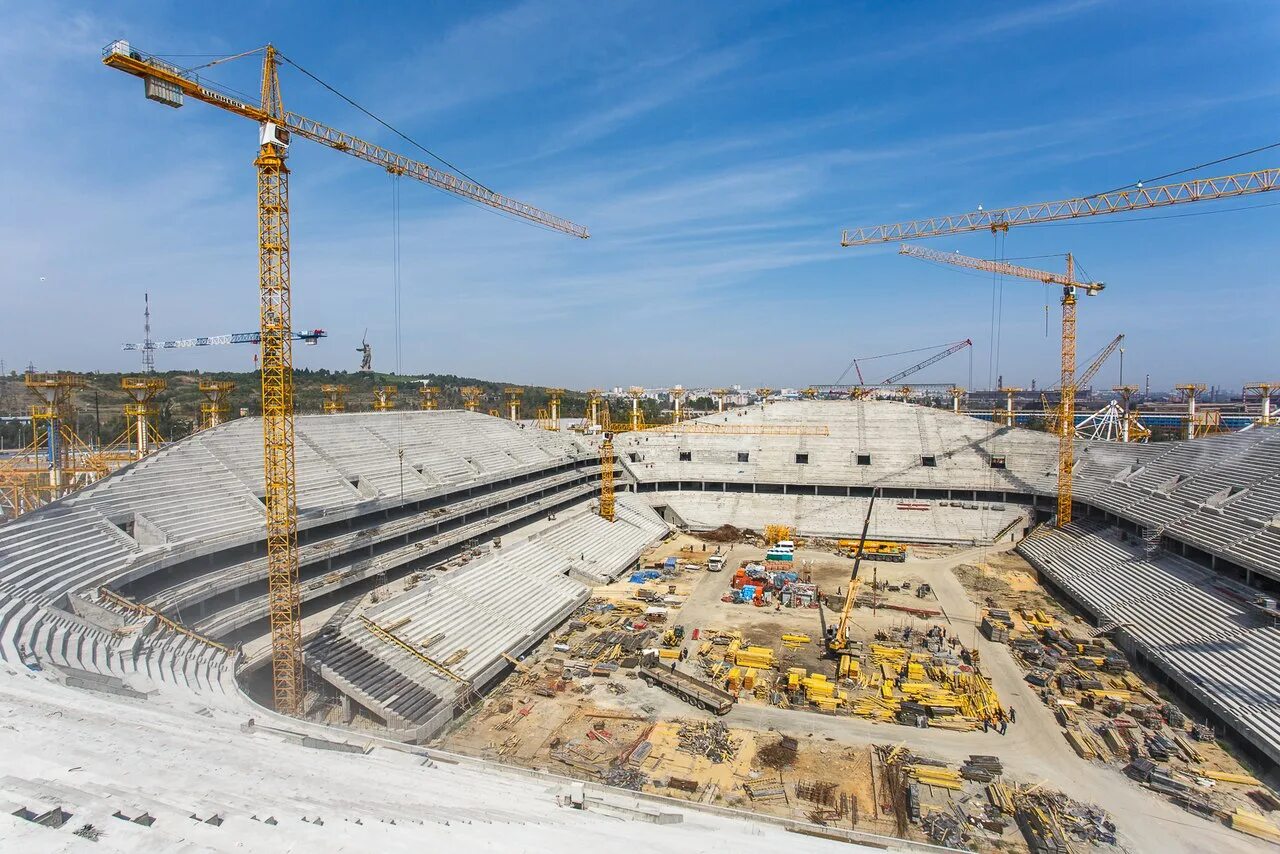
x=311 y=336
x=169 y=81
x=1066 y=409
x=936 y=357
x=1122 y=201
x=839 y=640
x=1096 y=365
x=958 y=260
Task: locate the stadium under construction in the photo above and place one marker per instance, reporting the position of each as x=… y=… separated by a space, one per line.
x=876 y=616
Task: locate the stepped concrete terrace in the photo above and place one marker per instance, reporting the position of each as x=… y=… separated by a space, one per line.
x=1216 y=499
x=473 y=619
x=1182 y=619
x=957 y=522
x=907 y=451
x=183 y=531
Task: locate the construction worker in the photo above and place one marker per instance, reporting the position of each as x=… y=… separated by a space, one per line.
x=1013 y=716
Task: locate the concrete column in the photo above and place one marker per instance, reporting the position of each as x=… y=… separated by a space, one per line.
x=348 y=709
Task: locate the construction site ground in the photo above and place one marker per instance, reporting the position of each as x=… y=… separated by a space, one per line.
x=586 y=728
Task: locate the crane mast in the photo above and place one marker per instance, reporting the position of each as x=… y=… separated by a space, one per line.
x=170 y=85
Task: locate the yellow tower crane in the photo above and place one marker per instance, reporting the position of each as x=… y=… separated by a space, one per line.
x=1127 y=200
x=471 y=397
x=384 y=397
x=335 y=398
x=429 y=397
x=513 y=393
x=170 y=85
x=606 y=478
x=1067 y=408
x=215 y=408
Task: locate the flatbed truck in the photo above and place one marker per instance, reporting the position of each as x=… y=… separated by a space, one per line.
x=693 y=691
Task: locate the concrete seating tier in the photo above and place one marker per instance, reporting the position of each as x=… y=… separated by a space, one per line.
x=834 y=517
x=896 y=436
x=471 y=618
x=1178 y=616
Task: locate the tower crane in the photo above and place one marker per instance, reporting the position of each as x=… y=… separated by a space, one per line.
x=1127 y=200
x=1067 y=408
x=951 y=349
x=170 y=85
x=310 y=337
x=1120 y=201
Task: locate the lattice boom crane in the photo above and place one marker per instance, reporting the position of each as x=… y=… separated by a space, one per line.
x=920 y=366
x=170 y=85
x=1123 y=201
x=310 y=337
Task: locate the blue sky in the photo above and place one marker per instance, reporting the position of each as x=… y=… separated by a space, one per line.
x=714 y=149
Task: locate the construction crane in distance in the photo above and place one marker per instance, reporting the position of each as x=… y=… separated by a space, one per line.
x=1085 y=376
x=310 y=337
x=1121 y=201
x=951 y=349
x=170 y=85
x=1066 y=408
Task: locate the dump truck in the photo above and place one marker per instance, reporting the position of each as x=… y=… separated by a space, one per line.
x=693 y=691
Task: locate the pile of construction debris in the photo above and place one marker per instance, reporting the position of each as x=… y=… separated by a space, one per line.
x=970 y=816
x=710 y=739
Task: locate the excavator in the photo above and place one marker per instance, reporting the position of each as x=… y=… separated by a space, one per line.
x=836 y=638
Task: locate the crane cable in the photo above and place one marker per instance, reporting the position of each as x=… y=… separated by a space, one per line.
x=395 y=282
x=386 y=125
